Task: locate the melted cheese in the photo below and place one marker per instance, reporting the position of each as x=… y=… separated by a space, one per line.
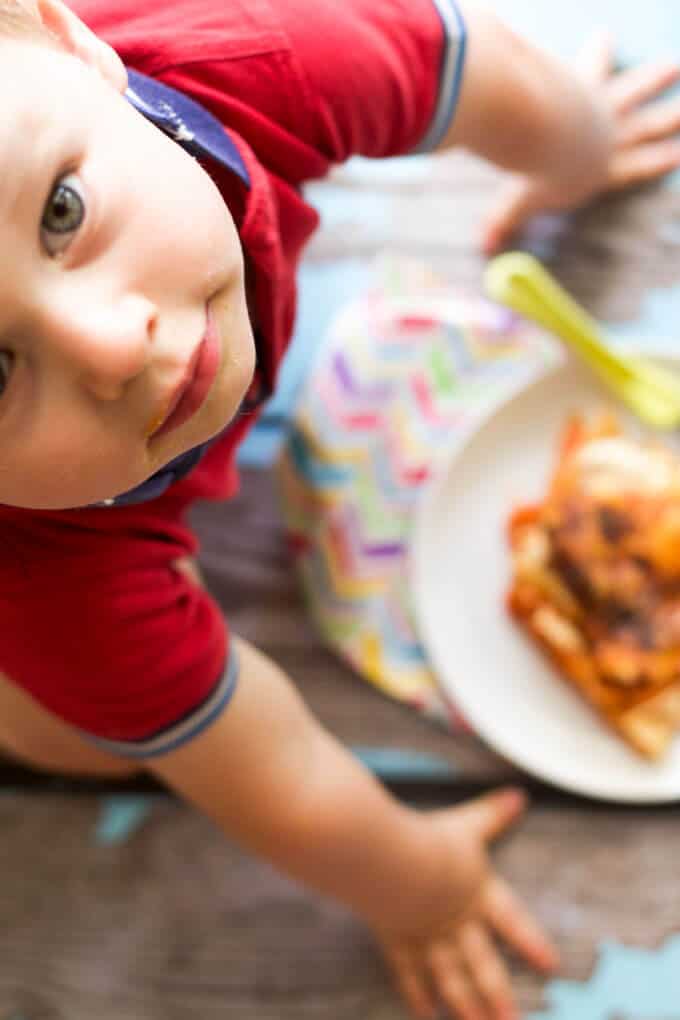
x=614 y=464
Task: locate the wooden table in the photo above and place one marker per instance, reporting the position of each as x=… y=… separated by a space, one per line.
x=177 y=923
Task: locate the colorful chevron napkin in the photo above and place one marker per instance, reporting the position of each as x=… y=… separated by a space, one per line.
x=405 y=372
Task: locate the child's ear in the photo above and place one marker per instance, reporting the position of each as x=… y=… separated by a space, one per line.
x=78 y=39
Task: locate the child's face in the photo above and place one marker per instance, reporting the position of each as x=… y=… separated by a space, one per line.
x=116 y=250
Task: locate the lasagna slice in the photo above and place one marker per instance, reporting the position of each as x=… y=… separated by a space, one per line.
x=596 y=578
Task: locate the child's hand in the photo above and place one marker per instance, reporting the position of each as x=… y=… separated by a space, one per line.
x=643 y=143
x=450 y=957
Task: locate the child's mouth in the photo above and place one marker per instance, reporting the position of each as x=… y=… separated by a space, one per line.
x=194 y=388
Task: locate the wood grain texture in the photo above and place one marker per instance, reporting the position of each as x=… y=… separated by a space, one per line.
x=178 y=923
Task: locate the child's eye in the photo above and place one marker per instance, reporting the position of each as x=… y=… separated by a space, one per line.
x=63 y=214
x=6 y=362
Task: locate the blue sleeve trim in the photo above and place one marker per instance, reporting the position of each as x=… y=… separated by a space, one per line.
x=173 y=736
x=451 y=74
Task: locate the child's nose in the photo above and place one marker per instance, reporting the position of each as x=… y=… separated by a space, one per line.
x=106 y=346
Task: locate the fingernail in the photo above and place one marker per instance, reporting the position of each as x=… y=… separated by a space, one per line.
x=488 y=242
x=551 y=960
x=515 y=798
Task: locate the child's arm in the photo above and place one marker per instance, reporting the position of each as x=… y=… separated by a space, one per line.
x=271 y=777
x=396 y=77
x=570 y=134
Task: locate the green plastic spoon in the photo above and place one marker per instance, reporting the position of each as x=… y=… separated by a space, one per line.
x=520 y=281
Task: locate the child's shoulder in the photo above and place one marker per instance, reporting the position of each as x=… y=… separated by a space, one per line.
x=235 y=57
x=157 y=35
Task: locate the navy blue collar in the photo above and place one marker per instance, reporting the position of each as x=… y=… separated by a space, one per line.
x=185 y=121
x=201 y=134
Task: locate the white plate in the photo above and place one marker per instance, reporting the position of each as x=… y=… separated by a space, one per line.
x=460 y=573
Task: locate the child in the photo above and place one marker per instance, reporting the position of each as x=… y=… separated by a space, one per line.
x=146 y=297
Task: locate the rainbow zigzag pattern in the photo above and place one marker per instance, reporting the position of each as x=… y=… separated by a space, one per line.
x=401 y=378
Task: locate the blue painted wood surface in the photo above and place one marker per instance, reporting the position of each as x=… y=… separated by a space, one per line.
x=627 y=984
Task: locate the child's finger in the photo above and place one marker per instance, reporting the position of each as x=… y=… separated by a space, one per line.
x=491 y=814
x=650 y=124
x=639 y=84
x=518 y=201
x=506 y=913
x=487 y=970
x=595 y=59
x=644 y=163
x=411 y=984
x=454 y=985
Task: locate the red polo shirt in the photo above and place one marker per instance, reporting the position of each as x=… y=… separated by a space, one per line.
x=97 y=625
